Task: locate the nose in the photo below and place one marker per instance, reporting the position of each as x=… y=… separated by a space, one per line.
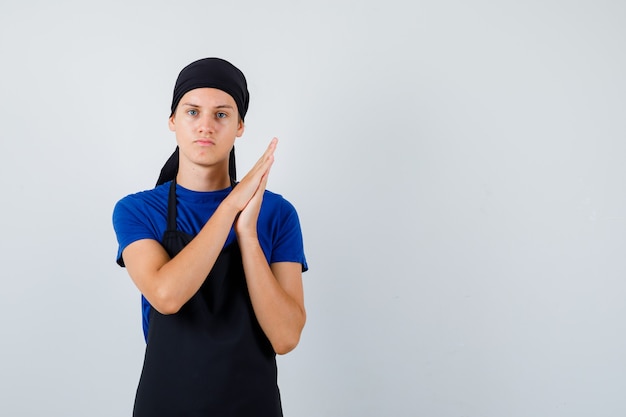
x=206 y=124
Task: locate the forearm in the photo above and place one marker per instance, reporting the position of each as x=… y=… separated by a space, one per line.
x=169 y=283
x=280 y=314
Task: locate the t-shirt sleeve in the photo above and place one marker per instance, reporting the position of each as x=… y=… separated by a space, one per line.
x=130 y=225
x=288 y=245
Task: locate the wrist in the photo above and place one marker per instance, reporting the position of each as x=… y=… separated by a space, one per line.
x=228 y=206
x=247 y=237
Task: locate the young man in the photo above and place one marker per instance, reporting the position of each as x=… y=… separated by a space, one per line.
x=218 y=263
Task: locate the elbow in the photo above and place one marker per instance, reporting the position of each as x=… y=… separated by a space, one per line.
x=167 y=309
x=165 y=303
x=285 y=346
x=289 y=340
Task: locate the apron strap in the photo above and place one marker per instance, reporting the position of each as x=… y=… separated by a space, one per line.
x=171 y=207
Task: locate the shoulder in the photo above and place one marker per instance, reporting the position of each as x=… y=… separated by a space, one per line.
x=276 y=202
x=140 y=208
x=140 y=216
x=155 y=197
x=279 y=230
x=278 y=213
x=154 y=194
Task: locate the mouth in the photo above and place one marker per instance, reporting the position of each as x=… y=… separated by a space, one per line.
x=204 y=142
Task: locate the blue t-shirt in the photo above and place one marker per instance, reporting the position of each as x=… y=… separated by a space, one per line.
x=144 y=216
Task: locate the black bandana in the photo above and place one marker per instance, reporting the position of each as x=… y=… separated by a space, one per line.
x=213 y=73
x=208 y=73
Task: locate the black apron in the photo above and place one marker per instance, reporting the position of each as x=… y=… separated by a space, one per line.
x=211 y=358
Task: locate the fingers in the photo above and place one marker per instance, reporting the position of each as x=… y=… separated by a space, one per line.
x=268 y=156
x=272 y=144
x=255 y=179
x=266 y=160
x=263 y=183
x=246 y=222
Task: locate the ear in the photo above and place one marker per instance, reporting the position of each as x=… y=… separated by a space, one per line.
x=240 y=128
x=171 y=122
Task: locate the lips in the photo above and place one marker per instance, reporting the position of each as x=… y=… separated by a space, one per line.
x=205 y=142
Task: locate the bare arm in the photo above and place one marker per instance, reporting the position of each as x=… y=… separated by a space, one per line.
x=169 y=283
x=275 y=291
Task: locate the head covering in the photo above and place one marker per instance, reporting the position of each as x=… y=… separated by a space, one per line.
x=208 y=73
x=213 y=73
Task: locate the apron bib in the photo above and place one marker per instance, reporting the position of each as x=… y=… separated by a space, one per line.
x=211 y=358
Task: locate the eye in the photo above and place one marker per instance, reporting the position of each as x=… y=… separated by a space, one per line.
x=221 y=115
x=192 y=112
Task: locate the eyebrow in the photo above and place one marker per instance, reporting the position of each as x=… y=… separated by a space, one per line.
x=220 y=106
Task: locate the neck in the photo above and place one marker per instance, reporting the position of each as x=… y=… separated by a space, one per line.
x=203 y=179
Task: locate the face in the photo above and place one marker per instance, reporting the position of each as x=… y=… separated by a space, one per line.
x=206 y=123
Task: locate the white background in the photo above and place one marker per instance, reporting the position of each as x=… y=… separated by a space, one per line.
x=458 y=168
